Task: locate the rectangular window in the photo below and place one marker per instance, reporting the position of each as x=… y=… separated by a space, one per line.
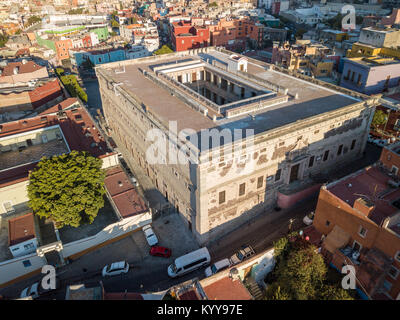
x=278 y=175
x=327 y=223
x=242 y=189
x=326 y=154
x=311 y=162
x=397 y=256
x=26 y=263
x=395 y=170
x=393 y=272
x=339 y=152
x=357 y=246
x=221 y=197
x=28 y=246
x=260 y=182
x=362 y=232
x=353 y=144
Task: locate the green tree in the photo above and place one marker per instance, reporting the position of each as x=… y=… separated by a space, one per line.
x=3 y=40
x=213 y=5
x=68 y=188
x=330 y=292
x=163 y=50
x=302 y=273
x=379 y=118
x=32 y=20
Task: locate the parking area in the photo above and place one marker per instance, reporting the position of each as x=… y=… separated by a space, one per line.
x=171 y=233
x=145 y=269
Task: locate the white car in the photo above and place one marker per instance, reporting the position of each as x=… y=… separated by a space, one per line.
x=150 y=235
x=216 y=267
x=32 y=291
x=36 y=290
x=115 y=268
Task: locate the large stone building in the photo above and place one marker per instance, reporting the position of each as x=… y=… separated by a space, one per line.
x=297 y=129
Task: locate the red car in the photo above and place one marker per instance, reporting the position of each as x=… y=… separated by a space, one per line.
x=158 y=251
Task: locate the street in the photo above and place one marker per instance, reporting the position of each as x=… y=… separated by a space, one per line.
x=149 y=274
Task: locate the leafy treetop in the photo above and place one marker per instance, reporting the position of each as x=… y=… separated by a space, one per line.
x=68 y=188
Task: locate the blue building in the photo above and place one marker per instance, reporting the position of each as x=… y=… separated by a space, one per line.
x=370 y=75
x=98 y=56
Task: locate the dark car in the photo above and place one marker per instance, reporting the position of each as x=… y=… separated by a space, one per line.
x=158 y=251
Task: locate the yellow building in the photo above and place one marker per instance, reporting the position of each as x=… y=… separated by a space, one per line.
x=365 y=50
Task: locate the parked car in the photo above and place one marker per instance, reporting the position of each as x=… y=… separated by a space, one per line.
x=308 y=219
x=115 y=268
x=242 y=254
x=36 y=290
x=158 y=251
x=150 y=235
x=216 y=267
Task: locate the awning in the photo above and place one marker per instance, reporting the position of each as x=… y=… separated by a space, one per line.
x=336 y=239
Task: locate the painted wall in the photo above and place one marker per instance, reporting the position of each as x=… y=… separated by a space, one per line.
x=24 y=248
x=110 y=232
x=373 y=78
x=19 y=268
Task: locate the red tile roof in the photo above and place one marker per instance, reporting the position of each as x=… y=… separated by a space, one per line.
x=227 y=289
x=29 y=66
x=373 y=184
x=21 y=229
x=61 y=106
x=189 y=295
x=122 y=296
x=123 y=193
x=45 y=93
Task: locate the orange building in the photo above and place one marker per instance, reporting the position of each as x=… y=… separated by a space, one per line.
x=358 y=217
x=188 y=35
x=62 y=49
x=234 y=33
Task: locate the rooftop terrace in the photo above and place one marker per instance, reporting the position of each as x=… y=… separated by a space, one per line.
x=371 y=184
x=23 y=153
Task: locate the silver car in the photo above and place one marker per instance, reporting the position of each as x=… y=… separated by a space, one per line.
x=151 y=238
x=242 y=254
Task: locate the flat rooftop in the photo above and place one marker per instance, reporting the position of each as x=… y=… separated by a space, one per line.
x=313 y=99
x=32 y=154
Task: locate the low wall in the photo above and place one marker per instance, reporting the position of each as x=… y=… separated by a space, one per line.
x=109 y=234
x=14 y=270
x=286 y=201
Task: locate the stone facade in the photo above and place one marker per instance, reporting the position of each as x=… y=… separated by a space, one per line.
x=216 y=196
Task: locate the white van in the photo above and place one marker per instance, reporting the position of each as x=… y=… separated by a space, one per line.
x=189 y=262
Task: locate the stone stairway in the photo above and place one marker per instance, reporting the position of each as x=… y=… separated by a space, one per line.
x=254 y=289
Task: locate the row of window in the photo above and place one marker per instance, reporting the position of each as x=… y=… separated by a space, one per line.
x=242 y=186
x=326 y=153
